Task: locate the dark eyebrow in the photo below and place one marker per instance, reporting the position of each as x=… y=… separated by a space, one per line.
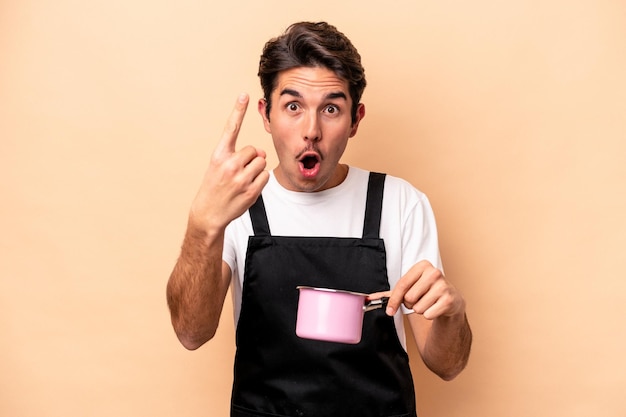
x=289 y=91
x=339 y=94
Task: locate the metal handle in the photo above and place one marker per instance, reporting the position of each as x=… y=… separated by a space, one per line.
x=375 y=304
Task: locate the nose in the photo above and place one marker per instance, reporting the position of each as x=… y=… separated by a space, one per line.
x=311 y=129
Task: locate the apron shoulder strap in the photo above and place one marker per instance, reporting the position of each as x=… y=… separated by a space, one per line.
x=374 y=205
x=260 y=225
x=373 y=210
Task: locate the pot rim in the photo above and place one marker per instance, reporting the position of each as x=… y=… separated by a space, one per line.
x=305 y=287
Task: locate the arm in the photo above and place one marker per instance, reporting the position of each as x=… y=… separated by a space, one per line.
x=439 y=322
x=197 y=288
x=199 y=282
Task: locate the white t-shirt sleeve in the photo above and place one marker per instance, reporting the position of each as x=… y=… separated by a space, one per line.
x=419 y=238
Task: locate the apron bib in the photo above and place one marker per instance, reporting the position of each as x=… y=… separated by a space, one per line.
x=279 y=374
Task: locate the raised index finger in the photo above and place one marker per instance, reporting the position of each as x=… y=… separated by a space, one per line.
x=233 y=125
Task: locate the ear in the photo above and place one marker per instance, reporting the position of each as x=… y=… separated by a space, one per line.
x=262 y=108
x=360 y=114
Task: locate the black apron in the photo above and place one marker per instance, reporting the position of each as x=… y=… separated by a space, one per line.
x=279 y=374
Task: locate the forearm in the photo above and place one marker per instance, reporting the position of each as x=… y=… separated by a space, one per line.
x=197 y=288
x=447 y=347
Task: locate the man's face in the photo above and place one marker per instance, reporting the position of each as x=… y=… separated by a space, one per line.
x=310 y=124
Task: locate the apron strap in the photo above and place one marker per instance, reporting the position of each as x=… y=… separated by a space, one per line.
x=374 y=205
x=260 y=225
x=373 y=210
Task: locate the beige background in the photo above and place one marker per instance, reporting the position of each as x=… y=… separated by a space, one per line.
x=509 y=115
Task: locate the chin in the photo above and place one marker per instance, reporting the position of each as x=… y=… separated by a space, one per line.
x=307 y=186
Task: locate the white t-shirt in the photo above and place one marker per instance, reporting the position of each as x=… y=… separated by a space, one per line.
x=407 y=226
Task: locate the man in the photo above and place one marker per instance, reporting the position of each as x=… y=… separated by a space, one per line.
x=317 y=222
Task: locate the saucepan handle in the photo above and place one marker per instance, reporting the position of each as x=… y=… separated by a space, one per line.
x=374 y=304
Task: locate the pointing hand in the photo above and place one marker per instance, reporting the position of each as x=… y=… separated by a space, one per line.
x=233 y=180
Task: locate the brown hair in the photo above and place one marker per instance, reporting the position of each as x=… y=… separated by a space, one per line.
x=307 y=44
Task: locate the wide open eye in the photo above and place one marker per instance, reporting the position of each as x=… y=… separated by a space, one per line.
x=331 y=109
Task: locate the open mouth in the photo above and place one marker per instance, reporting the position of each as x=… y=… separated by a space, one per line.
x=310 y=164
x=309 y=161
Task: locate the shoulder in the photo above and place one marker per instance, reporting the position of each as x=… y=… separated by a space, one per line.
x=403 y=191
x=396 y=189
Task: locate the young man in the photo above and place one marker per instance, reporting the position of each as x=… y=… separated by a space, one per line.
x=305 y=223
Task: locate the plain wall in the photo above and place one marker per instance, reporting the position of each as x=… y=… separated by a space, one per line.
x=509 y=115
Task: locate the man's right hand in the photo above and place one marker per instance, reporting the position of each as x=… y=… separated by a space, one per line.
x=234 y=179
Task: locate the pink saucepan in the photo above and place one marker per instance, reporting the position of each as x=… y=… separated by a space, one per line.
x=333 y=315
